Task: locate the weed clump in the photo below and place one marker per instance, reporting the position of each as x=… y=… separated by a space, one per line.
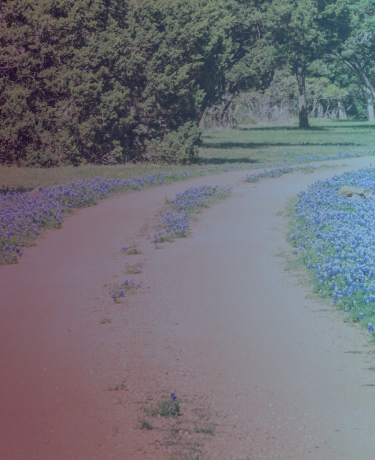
x=145 y=425
x=106 y=320
x=117 y=386
x=131 y=251
x=169 y=408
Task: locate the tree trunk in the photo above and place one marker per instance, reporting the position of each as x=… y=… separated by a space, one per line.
x=342 y=112
x=357 y=69
x=370 y=105
x=320 y=110
x=302 y=108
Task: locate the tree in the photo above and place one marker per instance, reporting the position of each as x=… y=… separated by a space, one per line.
x=298 y=31
x=281 y=34
x=97 y=80
x=250 y=63
x=356 y=47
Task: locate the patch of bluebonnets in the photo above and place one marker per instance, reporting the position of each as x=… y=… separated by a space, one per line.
x=336 y=237
x=22 y=219
x=186 y=203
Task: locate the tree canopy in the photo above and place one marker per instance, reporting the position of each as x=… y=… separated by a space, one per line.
x=110 y=81
x=94 y=80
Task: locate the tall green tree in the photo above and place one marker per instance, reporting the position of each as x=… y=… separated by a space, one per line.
x=356 y=47
x=300 y=32
x=251 y=59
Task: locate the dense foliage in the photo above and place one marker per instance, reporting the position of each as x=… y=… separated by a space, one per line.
x=94 y=80
x=113 y=81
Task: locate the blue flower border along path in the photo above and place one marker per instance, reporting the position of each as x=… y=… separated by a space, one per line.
x=23 y=218
x=334 y=235
x=175 y=222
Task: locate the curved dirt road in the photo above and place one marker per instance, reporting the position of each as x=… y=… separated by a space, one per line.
x=258 y=365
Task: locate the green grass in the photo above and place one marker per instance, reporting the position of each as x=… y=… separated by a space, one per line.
x=257 y=144
x=248 y=146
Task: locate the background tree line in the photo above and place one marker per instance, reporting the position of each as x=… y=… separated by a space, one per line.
x=113 y=81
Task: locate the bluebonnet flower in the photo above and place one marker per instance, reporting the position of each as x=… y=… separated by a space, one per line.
x=113 y=296
x=173 y=397
x=370 y=328
x=346 y=309
x=361 y=315
x=121 y=293
x=126 y=282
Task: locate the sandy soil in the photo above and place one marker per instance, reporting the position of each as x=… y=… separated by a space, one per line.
x=261 y=370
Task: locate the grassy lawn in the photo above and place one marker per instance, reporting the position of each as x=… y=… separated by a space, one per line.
x=248 y=146
x=259 y=144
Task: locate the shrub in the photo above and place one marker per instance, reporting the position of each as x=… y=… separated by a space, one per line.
x=179 y=146
x=93 y=80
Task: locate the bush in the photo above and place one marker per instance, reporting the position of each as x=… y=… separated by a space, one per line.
x=93 y=80
x=179 y=146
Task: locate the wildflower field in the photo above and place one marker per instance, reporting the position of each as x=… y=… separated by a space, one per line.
x=334 y=237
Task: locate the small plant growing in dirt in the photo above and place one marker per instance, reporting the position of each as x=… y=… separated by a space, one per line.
x=128 y=285
x=131 y=250
x=106 y=320
x=145 y=425
x=161 y=238
x=134 y=269
x=169 y=408
x=117 y=386
x=205 y=430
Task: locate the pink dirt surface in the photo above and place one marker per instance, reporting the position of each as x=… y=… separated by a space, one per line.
x=223 y=326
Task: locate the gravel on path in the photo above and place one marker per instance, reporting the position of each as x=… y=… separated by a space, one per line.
x=222 y=325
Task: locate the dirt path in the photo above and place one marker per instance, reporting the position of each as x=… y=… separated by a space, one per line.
x=222 y=325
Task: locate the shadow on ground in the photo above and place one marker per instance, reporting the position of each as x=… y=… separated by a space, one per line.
x=221 y=161
x=257 y=145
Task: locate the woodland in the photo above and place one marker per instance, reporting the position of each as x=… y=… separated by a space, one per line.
x=118 y=81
